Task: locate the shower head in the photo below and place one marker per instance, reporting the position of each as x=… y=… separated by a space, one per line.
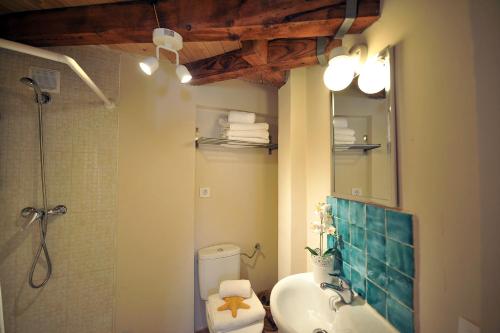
x=40 y=96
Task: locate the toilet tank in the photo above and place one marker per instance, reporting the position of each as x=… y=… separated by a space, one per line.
x=215 y=264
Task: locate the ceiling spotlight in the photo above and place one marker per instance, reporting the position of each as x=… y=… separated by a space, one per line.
x=149 y=65
x=374 y=76
x=168 y=40
x=343 y=67
x=183 y=74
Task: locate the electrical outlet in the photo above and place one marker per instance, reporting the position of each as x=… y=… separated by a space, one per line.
x=204 y=192
x=356 y=191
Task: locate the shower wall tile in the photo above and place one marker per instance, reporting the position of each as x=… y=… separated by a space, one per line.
x=81 y=159
x=377 y=257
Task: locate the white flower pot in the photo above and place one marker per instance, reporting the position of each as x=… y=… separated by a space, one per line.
x=322 y=266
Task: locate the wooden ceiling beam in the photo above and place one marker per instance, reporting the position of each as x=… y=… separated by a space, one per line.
x=273 y=78
x=255 y=52
x=207 y=20
x=283 y=54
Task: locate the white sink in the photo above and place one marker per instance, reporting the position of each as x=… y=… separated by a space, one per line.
x=299 y=305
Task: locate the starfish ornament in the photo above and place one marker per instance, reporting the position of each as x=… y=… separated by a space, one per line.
x=233 y=303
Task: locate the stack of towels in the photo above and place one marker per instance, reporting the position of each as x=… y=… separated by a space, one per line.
x=241 y=126
x=343 y=135
x=252 y=313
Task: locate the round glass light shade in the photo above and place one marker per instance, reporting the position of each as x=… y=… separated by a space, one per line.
x=183 y=74
x=373 y=77
x=149 y=65
x=339 y=73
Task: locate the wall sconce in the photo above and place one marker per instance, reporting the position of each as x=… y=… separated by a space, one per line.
x=374 y=76
x=343 y=67
x=168 y=40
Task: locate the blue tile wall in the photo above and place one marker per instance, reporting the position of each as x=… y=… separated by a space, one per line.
x=377 y=257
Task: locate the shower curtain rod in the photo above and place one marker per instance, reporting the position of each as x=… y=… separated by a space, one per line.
x=46 y=54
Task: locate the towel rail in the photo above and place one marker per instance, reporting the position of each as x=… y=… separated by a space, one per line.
x=221 y=142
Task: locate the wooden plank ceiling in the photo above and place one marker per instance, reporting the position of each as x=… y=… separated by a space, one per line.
x=253 y=40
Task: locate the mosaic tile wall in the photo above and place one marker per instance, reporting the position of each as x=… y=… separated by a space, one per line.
x=377 y=257
x=81 y=141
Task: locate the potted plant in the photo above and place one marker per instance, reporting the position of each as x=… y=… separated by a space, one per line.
x=323 y=260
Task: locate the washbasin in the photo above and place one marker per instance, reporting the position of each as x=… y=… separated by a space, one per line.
x=299 y=305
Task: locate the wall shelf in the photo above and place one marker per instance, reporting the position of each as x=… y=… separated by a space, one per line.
x=236 y=143
x=365 y=147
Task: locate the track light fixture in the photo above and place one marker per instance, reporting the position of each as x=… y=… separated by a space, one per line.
x=168 y=40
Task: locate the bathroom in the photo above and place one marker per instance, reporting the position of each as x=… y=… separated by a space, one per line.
x=144 y=189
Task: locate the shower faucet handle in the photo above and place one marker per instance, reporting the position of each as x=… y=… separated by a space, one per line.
x=32 y=213
x=58 y=210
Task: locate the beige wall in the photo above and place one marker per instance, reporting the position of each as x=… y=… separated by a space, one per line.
x=304 y=164
x=81 y=140
x=155 y=229
x=437 y=151
x=242 y=208
x=161 y=220
x=485 y=21
x=291 y=171
x=318 y=157
x=439 y=164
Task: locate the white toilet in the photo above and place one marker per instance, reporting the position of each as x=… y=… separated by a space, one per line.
x=216 y=264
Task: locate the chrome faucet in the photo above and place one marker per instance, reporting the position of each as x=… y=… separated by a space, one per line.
x=342 y=289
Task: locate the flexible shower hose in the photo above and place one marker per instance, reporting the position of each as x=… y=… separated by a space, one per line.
x=43 y=220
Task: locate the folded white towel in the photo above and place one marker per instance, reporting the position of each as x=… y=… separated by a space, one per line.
x=224 y=322
x=243 y=127
x=241 y=117
x=344 y=131
x=340 y=122
x=255 y=140
x=344 y=142
x=263 y=134
x=344 y=137
x=229 y=288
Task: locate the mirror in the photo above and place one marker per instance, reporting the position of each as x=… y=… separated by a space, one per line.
x=364 y=161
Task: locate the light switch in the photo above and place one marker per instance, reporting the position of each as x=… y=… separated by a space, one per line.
x=204 y=192
x=465 y=326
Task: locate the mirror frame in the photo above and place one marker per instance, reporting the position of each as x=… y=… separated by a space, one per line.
x=392 y=146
